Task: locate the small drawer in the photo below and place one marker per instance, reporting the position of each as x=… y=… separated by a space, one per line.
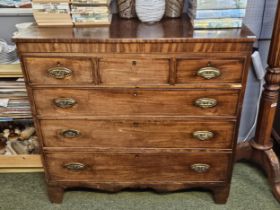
x=50 y=70
x=138 y=167
x=136 y=72
x=137 y=133
x=209 y=70
x=134 y=102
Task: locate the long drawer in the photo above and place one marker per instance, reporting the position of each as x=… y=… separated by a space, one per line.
x=137 y=133
x=114 y=102
x=138 y=167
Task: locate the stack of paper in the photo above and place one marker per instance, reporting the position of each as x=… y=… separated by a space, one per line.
x=52 y=12
x=217 y=13
x=91 y=12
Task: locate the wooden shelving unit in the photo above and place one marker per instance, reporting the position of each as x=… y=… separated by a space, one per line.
x=10 y=71
x=21 y=163
x=18 y=163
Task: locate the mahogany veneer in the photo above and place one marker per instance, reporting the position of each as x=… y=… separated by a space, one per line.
x=135 y=105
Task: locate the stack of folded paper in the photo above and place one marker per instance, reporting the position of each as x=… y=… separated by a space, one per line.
x=91 y=12
x=217 y=13
x=52 y=12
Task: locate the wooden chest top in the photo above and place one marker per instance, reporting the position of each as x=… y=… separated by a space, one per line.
x=127 y=31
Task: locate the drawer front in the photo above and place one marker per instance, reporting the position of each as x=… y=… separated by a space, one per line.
x=137 y=133
x=136 y=72
x=138 y=167
x=109 y=102
x=209 y=70
x=44 y=70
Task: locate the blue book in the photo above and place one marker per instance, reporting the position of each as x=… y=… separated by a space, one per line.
x=224 y=13
x=217 y=23
x=218 y=4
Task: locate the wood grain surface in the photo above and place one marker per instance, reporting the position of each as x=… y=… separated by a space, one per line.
x=137 y=133
x=111 y=167
x=133 y=102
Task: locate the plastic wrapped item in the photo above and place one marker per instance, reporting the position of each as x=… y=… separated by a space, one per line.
x=8 y=53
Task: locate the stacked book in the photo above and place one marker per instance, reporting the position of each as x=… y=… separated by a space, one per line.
x=14 y=103
x=91 y=12
x=52 y=12
x=217 y=13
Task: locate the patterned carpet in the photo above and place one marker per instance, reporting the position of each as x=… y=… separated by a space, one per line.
x=250 y=191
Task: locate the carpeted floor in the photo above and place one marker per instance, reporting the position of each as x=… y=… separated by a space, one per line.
x=249 y=191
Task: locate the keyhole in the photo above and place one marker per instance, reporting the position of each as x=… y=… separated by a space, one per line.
x=134 y=63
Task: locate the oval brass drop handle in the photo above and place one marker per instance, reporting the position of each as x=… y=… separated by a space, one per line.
x=75 y=166
x=203 y=135
x=206 y=103
x=200 y=167
x=59 y=72
x=209 y=72
x=71 y=133
x=64 y=103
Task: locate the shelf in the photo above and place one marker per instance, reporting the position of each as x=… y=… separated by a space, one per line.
x=15 y=11
x=10 y=71
x=20 y=163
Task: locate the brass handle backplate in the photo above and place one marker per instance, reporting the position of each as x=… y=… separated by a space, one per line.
x=209 y=72
x=75 y=166
x=64 y=103
x=71 y=133
x=59 y=72
x=200 y=167
x=203 y=135
x=206 y=103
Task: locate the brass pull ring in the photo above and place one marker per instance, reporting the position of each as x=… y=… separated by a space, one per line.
x=64 y=103
x=75 y=166
x=206 y=103
x=203 y=135
x=200 y=167
x=71 y=133
x=59 y=72
x=209 y=72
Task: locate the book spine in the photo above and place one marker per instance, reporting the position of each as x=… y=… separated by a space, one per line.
x=217 y=23
x=228 y=13
x=218 y=4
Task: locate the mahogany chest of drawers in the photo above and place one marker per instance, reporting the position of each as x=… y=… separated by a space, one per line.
x=135 y=105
